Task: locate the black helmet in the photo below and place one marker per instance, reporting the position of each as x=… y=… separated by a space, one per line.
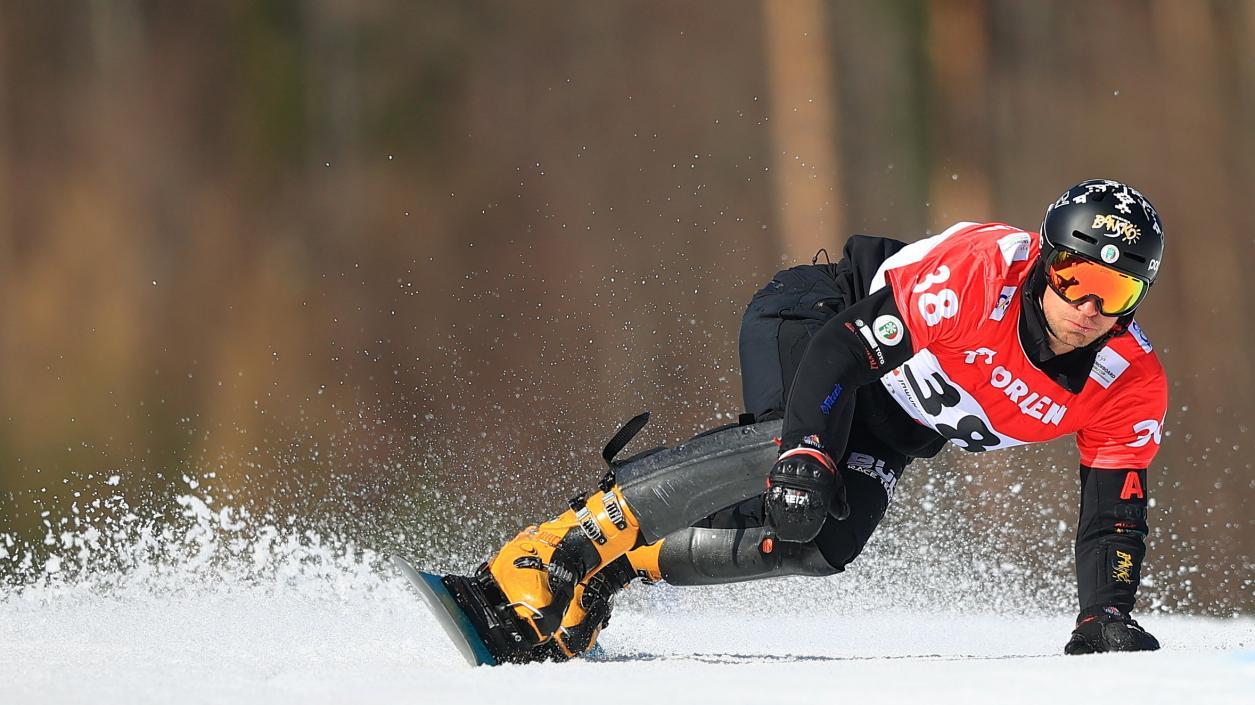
x=1108 y=222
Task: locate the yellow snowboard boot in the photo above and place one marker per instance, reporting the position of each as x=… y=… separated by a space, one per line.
x=589 y=611
x=539 y=570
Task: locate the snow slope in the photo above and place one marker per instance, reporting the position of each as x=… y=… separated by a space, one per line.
x=359 y=636
x=213 y=605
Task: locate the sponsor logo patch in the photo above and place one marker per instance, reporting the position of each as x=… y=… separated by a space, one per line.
x=1140 y=336
x=1108 y=366
x=1004 y=302
x=1014 y=247
x=1110 y=253
x=888 y=329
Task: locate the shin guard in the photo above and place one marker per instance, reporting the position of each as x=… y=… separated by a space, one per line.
x=673 y=488
x=700 y=556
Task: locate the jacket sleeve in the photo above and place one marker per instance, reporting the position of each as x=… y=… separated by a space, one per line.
x=1115 y=452
x=855 y=347
x=1110 y=537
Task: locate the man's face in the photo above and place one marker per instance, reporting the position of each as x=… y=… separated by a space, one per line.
x=1073 y=325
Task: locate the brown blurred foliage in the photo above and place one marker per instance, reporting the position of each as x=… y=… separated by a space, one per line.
x=280 y=239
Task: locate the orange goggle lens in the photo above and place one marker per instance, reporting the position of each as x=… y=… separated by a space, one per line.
x=1075 y=279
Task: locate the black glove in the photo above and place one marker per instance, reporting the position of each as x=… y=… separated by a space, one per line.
x=1100 y=629
x=803 y=488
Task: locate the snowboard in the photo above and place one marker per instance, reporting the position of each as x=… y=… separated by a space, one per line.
x=448 y=614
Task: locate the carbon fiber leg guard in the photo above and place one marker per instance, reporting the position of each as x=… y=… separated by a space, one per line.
x=699 y=556
x=674 y=488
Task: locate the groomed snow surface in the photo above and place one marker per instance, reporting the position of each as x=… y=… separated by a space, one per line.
x=354 y=636
x=119 y=605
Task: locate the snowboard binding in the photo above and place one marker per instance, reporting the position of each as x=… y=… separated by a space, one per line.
x=502 y=632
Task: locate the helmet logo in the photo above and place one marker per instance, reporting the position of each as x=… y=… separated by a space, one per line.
x=1110 y=253
x=1117 y=227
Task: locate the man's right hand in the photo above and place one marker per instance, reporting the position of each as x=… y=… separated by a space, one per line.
x=802 y=486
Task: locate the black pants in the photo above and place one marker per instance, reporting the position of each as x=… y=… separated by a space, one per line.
x=778 y=324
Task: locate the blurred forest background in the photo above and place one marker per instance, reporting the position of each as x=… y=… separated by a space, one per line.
x=413 y=262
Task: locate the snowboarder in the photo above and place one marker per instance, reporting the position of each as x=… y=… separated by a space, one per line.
x=985 y=336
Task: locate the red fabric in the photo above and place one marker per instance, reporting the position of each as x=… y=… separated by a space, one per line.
x=960 y=295
x=1132 y=486
x=819 y=455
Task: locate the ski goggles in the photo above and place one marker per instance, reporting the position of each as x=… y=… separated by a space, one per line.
x=1075 y=279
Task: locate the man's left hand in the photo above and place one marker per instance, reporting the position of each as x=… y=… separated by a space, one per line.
x=1101 y=629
